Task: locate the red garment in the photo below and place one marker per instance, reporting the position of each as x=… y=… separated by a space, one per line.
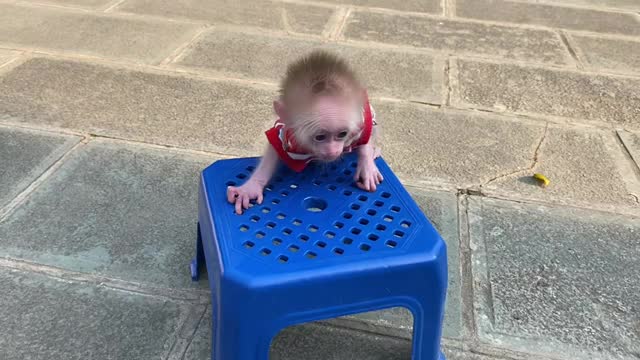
x=297 y=158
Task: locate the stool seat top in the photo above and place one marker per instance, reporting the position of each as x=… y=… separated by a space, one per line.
x=316 y=219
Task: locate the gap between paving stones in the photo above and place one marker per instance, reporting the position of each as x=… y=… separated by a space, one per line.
x=426 y=184
x=191 y=296
x=113 y=10
x=19 y=199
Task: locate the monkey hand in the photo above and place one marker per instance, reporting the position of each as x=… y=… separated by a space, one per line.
x=367 y=177
x=242 y=196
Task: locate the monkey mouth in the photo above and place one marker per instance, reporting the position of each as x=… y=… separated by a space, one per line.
x=329 y=159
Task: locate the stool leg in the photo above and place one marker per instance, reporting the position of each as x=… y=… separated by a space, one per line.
x=427 y=332
x=199 y=259
x=238 y=340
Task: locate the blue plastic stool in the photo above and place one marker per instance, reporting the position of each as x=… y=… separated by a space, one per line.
x=317 y=248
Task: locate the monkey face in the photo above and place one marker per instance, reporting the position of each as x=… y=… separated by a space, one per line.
x=329 y=145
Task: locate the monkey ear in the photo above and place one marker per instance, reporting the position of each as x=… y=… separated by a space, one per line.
x=278 y=107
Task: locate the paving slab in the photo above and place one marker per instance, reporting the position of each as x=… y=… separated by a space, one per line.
x=387 y=73
x=25 y=155
x=556 y=280
x=136 y=105
x=533 y=13
x=313 y=341
x=455 y=36
x=147 y=41
x=322 y=342
x=539 y=91
x=442 y=210
x=616 y=4
x=297 y=18
x=46 y=318
x=600 y=53
x=7 y=55
x=427 y=6
x=88 y=4
x=458 y=148
x=632 y=144
x=575 y=161
x=121 y=211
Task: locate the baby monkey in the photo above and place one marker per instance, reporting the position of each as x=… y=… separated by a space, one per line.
x=323 y=112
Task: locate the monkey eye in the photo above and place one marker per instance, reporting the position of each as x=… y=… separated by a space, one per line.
x=342 y=134
x=320 y=137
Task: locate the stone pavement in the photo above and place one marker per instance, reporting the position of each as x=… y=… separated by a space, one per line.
x=110 y=108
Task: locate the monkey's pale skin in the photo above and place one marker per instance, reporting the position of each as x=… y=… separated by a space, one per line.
x=367 y=176
x=326 y=112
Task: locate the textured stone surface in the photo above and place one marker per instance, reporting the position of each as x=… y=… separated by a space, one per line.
x=92 y=4
x=556 y=279
x=6 y=55
x=170 y=110
x=548 y=15
x=457 y=36
x=442 y=211
x=454 y=147
x=320 y=342
x=616 y=4
x=568 y=158
x=45 y=318
x=632 y=144
x=551 y=92
x=609 y=54
x=25 y=155
x=259 y=13
x=311 y=342
x=126 y=212
x=429 y=6
x=139 y=40
x=387 y=73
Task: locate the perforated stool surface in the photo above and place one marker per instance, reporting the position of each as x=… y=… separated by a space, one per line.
x=317 y=242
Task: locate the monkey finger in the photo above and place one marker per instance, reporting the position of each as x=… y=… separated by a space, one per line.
x=372 y=184
x=361 y=185
x=260 y=198
x=238 y=207
x=232 y=194
x=245 y=201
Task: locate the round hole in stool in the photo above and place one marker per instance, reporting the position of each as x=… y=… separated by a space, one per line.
x=314 y=204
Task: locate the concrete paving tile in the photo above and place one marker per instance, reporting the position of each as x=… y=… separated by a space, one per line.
x=548 y=15
x=632 y=144
x=321 y=342
x=617 y=4
x=556 y=280
x=45 y=318
x=453 y=147
x=457 y=36
x=533 y=90
x=314 y=342
x=170 y=110
x=428 y=6
x=607 y=53
x=122 y=211
x=575 y=161
x=146 y=41
x=25 y=155
x=89 y=4
x=258 y=13
x=387 y=73
x=442 y=210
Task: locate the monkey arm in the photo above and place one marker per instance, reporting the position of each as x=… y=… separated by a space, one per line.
x=266 y=168
x=252 y=189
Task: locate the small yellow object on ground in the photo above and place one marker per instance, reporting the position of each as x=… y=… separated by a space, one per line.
x=544 y=182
